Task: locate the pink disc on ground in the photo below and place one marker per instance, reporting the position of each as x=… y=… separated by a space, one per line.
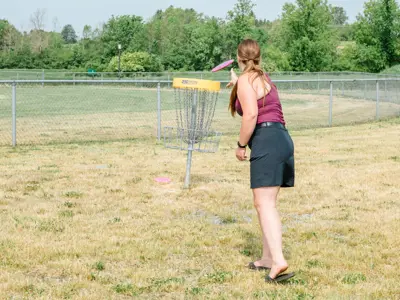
x=223 y=65
x=163 y=180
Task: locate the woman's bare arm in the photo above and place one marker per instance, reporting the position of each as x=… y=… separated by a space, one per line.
x=248 y=101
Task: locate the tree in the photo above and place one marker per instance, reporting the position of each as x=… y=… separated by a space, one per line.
x=378 y=30
x=10 y=37
x=153 y=31
x=206 y=45
x=391 y=30
x=346 y=32
x=127 y=30
x=306 y=35
x=68 y=34
x=339 y=19
x=262 y=23
x=55 y=24
x=339 y=15
x=171 y=36
x=56 y=41
x=305 y=38
x=4 y=29
x=87 y=33
x=241 y=25
x=37 y=19
x=38 y=37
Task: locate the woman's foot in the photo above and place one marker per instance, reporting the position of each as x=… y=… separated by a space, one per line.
x=262 y=264
x=278 y=268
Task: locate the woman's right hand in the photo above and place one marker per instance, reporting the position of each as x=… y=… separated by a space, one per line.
x=234 y=79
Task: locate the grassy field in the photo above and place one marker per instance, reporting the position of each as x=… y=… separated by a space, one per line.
x=88 y=221
x=68 y=113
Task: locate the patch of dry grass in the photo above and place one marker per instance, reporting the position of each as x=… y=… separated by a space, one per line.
x=88 y=221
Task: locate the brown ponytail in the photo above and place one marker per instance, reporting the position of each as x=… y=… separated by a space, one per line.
x=250 y=55
x=232 y=100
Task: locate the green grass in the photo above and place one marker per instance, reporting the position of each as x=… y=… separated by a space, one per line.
x=35 y=101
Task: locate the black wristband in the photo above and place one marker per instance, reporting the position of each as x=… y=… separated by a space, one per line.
x=240 y=146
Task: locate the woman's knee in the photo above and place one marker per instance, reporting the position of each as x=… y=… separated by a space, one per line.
x=265 y=197
x=264 y=203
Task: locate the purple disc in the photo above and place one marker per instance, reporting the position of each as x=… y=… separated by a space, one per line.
x=223 y=65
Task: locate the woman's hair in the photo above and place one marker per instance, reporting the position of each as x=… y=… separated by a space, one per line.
x=249 y=54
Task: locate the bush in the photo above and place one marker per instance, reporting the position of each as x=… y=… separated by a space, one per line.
x=369 y=58
x=345 y=58
x=136 y=62
x=360 y=58
x=392 y=70
x=274 y=60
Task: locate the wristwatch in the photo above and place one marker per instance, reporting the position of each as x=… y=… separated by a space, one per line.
x=240 y=146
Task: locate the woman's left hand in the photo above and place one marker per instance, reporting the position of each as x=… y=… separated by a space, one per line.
x=241 y=154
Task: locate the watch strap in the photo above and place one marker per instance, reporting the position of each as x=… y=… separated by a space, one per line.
x=240 y=146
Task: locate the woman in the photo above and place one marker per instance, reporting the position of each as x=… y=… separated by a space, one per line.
x=256 y=99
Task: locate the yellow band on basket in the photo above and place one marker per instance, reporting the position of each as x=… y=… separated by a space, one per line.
x=190 y=83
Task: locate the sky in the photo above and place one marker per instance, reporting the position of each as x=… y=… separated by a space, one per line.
x=95 y=12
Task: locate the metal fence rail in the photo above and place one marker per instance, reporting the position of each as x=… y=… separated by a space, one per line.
x=222 y=75
x=49 y=111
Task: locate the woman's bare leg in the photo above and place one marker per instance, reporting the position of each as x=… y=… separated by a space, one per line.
x=265 y=204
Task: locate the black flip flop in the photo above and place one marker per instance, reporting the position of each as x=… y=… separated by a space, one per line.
x=279 y=278
x=252 y=266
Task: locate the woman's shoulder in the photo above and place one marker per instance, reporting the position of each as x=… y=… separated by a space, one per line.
x=246 y=79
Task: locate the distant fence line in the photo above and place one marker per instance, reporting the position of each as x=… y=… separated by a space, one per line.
x=222 y=75
x=46 y=111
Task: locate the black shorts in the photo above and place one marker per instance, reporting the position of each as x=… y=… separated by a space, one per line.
x=272 y=157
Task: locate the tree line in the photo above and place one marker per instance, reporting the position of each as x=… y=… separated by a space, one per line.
x=310 y=36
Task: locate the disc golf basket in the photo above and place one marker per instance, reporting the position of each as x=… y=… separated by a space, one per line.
x=195 y=102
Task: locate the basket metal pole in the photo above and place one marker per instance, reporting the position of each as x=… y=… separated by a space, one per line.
x=192 y=136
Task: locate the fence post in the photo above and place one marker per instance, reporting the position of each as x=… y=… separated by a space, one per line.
x=342 y=88
x=14 y=114
x=73 y=77
x=330 y=103
x=318 y=82
x=159 y=111
x=377 y=100
x=386 y=96
x=42 y=78
x=291 y=82
x=365 y=90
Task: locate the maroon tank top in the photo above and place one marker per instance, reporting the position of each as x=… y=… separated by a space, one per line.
x=269 y=107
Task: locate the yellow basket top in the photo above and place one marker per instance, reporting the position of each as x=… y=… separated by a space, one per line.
x=191 y=83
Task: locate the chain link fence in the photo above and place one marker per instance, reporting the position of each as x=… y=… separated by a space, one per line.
x=168 y=76
x=53 y=111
